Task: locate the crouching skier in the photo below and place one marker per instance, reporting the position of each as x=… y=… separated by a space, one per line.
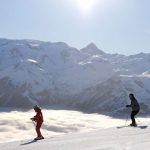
x=135 y=109
x=38 y=118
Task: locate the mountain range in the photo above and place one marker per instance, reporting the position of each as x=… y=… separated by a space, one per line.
x=44 y=73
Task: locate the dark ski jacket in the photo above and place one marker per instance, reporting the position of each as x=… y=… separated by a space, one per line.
x=134 y=105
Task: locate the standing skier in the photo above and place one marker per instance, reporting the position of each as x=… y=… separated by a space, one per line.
x=38 y=118
x=135 y=109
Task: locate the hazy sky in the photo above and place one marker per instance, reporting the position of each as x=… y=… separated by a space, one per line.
x=115 y=26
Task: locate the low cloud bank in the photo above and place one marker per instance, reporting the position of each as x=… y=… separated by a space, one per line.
x=16 y=125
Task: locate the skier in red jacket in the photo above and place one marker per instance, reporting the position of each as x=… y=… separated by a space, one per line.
x=38 y=118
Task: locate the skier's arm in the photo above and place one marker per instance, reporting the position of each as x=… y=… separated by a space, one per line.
x=128 y=106
x=33 y=118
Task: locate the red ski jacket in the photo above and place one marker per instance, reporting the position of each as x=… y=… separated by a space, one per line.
x=38 y=117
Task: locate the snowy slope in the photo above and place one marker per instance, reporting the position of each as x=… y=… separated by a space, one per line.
x=128 y=138
x=54 y=73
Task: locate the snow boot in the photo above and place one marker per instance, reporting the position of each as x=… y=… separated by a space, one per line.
x=133 y=125
x=39 y=138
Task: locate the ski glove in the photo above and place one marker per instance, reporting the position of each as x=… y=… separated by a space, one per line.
x=32 y=119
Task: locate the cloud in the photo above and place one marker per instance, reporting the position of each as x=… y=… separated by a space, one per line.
x=17 y=125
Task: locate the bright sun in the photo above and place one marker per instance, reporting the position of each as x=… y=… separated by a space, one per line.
x=85 y=5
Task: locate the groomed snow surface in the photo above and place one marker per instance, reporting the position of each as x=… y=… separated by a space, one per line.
x=72 y=130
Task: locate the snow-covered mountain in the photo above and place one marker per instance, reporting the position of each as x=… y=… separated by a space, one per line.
x=54 y=73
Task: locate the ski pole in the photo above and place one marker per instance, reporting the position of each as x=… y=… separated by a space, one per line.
x=33 y=123
x=127 y=119
x=138 y=120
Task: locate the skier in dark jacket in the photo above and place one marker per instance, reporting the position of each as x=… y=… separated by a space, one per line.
x=135 y=109
x=38 y=118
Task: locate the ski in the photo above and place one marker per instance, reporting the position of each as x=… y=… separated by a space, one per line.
x=32 y=141
x=38 y=139
x=138 y=126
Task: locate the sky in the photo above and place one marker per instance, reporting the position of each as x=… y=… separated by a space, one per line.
x=115 y=26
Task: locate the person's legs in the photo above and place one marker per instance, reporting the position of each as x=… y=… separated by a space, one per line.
x=38 y=126
x=133 y=113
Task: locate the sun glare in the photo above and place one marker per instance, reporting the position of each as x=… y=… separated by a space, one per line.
x=85 y=5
